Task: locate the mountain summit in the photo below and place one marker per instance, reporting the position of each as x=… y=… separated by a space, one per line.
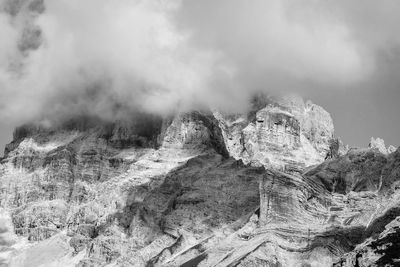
x=272 y=187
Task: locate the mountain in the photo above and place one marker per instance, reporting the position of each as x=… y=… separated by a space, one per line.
x=272 y=187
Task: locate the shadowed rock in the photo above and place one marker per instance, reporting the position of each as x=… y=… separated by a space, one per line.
x=199 y=189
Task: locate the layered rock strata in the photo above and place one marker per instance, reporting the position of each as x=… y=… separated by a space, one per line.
x=285 y=134
x=198 y=189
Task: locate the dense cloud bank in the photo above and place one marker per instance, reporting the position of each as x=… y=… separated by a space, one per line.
x=113 y=57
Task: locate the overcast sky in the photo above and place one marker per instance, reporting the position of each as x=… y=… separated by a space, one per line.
x=108 y=57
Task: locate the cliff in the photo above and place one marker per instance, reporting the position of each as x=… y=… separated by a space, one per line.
x=285 y=133
x=272 y=187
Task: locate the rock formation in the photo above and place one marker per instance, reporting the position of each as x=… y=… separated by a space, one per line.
x=272 y=187
x=284 y=133
x=379 y=144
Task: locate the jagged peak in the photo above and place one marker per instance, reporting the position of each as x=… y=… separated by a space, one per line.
x=379 y=144
x=276 y=126
x=108 y=195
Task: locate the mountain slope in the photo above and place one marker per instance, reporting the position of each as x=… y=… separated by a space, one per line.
x=197 y=189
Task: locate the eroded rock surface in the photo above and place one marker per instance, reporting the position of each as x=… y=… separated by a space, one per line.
x=379 y=144
x=198 y=189
x=284 y=133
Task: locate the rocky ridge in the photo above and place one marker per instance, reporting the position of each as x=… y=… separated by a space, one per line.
x=272 y=187
x=285 y=133
x=379 y=144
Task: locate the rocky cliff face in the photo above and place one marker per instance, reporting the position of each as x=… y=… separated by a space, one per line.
x=198 y=189
x=379 y=144
x=285 y=133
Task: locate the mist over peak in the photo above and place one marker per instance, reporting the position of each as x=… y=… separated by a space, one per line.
x=109 y=58
x=179 y=133
x=97 y=56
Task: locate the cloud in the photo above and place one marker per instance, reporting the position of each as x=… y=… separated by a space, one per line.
x=98 y=56
x=112 y=57
x=272 y=40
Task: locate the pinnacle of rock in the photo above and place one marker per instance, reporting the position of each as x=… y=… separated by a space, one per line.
x=378 y=143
